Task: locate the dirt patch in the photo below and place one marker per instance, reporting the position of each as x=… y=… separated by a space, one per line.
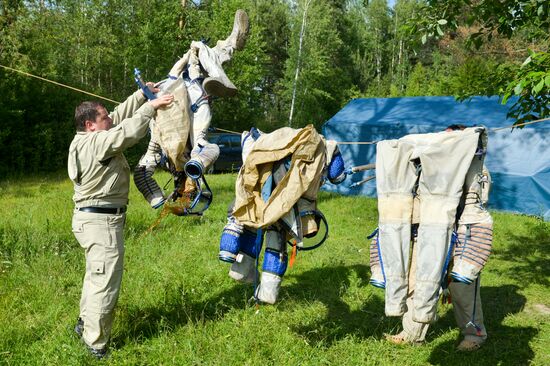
x=542 y=309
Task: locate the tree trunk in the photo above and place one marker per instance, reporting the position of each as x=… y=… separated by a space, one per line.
x=401 y=67
x=378 y=59
x=182 y=16
x=393 y=67
x=298 y=64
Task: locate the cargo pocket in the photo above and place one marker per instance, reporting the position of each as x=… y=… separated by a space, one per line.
x=97 y=273
x=76 y=224
x=94 y=236
x=115 y=226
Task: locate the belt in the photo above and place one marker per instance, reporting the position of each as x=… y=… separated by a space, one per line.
x=104 y=210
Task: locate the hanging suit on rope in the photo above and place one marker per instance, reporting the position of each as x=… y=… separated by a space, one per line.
x=179 y=136
x=464 y=295
x=445 y=158
x=470 y=249
x=276 y=194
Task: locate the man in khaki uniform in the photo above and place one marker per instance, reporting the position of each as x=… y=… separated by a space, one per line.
x=101 y=176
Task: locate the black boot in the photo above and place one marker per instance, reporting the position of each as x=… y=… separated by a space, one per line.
x=79 y=327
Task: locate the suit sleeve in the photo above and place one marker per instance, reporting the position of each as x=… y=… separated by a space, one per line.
x=126 y=134
x=127 y=108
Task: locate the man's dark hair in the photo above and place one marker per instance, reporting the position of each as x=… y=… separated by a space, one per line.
x=86 y=111
x=456 y=127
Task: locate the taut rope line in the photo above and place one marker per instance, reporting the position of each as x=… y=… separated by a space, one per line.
x=233 y=132
x=520 y=124
x=59 y=84
x=238 y=133
x=374 y=142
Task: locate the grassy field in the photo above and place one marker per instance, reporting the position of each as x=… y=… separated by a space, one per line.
x=179 y=307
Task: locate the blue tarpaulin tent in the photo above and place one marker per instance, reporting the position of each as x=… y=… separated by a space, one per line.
x=519 y=159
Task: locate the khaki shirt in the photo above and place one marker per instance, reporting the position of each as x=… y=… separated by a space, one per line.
x=96 y=164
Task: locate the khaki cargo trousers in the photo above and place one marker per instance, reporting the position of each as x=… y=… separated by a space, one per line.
x=101 y=237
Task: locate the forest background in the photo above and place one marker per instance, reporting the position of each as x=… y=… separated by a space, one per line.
x=304 y=60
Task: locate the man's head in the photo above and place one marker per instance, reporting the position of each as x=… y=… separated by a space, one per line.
x=455 y=128
x=92 y=116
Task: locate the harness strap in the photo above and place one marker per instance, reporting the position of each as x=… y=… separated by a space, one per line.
x=266 y=193
x=454 y=239
x=446 y=297
x=373 y=234
x=257 y=248
x=293 y=254
x=380 y=256
x=472 y=323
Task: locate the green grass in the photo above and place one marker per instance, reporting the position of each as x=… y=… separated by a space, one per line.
x=179 y=307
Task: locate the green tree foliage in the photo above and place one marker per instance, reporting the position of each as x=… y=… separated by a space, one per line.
x=382 y=50
x=271 y=22
x=532 y=83
x=31 y=132
x=308 y=56
x=314 y=83
x=506 y=18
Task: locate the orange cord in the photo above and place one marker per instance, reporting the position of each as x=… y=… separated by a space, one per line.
x=293 y=255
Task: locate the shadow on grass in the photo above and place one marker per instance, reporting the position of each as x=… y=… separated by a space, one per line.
x=506 y=345
x=328 y=285
x=137 y=228
x=179 y=308
x=530 y=254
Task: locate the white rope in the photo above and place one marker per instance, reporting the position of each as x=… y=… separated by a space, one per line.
x=59 y=84
x=238 y=133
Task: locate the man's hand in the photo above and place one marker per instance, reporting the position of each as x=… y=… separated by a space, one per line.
x=152 y=87
x=161 y=101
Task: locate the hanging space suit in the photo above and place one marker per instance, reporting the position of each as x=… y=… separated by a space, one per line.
x=445 y=158
x=178 y=136
x=276 y=194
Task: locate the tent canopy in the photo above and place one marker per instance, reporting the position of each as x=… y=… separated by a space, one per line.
x=519 y=159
